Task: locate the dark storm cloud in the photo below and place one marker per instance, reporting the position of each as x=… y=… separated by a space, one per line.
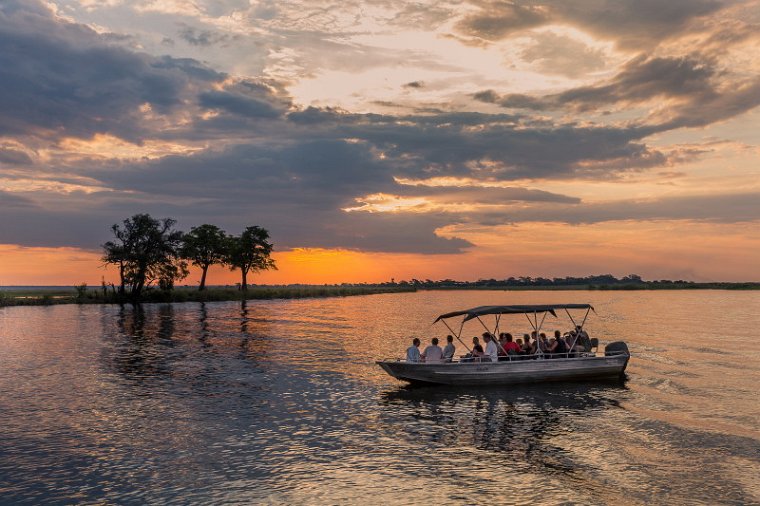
x=633 y=24
x=59 y=78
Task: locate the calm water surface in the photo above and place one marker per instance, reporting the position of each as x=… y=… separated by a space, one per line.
x=280 y=402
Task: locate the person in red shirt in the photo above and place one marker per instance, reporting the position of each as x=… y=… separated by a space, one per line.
x=511 y=347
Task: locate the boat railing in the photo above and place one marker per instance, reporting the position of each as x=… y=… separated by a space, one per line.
x=517 y=358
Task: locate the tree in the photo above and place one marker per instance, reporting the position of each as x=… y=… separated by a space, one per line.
x=146 y=250
x=205 y=246
x=250 y=252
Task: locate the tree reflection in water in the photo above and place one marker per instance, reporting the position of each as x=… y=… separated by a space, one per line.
x=137 y=355
x=203 y=320
x=166 y=323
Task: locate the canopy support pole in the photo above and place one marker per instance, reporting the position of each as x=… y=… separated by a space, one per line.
x=496 y=332
x=543 y=318
x=492 y=336
x=584 y=317
x=457 y=335
x=530 y=321
x=571 y=317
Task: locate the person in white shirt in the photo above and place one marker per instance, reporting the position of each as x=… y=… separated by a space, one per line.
x=492 y=351
x=413 y=352
x=433 y=353
x=449 y=349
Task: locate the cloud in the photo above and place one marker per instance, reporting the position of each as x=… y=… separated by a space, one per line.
x=498 y=20
x=640 y=80
x=482 y=194
x=12 y=157
x=689 y=91
x=204 y=38
x=245 y=98
x=59 y=78
x=9 y=201
x=558 y=54
x=258 y=157
x=719 y=208
x=632 y=24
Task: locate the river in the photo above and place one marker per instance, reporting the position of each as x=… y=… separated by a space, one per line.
x=281 y=402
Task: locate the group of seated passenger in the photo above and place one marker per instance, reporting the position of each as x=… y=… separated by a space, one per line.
x=559 y=346
x=571 y=343
x=433 y=353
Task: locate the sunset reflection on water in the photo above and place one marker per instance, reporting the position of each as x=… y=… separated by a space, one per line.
x=280 y=401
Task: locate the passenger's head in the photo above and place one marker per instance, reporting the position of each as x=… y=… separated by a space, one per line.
x=475 y=340
x=486 y=337
x=519 y=341
x=557 y=334
x=449 y=339
x=526 y=337
x=416 y=341
x=509 y=337
x=543 y=336
x=435 y=341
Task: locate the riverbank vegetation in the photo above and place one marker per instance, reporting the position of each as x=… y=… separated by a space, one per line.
x=83 y=294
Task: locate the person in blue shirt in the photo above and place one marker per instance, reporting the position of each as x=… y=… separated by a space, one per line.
x=413 y=352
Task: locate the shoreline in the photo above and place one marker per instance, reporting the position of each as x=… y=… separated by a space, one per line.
x=49 y=295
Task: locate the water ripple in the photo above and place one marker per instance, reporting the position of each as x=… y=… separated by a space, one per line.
x=280 y=402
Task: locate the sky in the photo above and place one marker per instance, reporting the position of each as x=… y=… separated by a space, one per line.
x=386 y=139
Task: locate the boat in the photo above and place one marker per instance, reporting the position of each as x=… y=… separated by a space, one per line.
x=512 y=369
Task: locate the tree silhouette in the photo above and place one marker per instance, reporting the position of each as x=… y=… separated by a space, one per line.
x=205 y=246
x=250 y=252
x=146 y=251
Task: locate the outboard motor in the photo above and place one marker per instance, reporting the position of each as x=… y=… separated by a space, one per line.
x=616 y=348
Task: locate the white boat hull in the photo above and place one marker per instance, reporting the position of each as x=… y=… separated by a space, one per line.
x=508 y=372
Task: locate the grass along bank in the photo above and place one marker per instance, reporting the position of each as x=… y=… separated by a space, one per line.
x=86 y=295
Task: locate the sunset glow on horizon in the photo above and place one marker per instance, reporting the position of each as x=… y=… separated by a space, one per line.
x=379 y=141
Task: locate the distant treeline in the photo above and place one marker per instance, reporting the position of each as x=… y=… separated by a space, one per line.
x=597 y=282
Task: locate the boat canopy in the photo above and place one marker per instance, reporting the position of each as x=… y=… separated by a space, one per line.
x=469 y=314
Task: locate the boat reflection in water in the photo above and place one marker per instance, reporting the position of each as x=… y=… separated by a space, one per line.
x=523 y=443
x=505 y=419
